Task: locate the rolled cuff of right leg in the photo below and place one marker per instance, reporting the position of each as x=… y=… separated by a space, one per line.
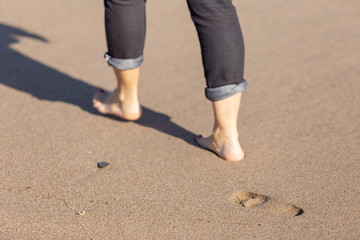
x=123 y=64
x=220 y=93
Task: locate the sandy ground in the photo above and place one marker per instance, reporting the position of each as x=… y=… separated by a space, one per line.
x=299 y=127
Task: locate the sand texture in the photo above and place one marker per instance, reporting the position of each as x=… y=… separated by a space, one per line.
x=298 y=125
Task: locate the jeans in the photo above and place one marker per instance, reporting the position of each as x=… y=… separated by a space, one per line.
x=219 y=32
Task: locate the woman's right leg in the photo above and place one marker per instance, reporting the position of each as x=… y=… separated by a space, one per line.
x=125 y=33
x=224 y=139
x=222 y=49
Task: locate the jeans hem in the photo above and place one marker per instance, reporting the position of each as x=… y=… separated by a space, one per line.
x=123 y=64
x=220 y=93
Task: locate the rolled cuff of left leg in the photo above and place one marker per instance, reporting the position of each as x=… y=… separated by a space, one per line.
x=220 y=93
x=123 y=64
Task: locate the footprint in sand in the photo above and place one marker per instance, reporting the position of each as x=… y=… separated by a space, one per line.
x=249 y=199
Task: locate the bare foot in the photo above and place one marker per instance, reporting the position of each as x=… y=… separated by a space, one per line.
x=112 y=103
x=227 y=148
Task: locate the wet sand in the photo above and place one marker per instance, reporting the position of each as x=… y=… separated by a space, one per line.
x=298 y=124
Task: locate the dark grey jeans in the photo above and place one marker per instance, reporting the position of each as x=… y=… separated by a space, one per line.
x=219 y=32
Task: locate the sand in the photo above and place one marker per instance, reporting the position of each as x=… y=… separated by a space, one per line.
x=298 y=124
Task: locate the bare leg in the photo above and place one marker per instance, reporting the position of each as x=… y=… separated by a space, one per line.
x=224 y=140
x=123 y=101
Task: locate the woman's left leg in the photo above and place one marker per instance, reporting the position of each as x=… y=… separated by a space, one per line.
x=125 y=34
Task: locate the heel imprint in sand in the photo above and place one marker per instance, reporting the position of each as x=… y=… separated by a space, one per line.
x=249 y=200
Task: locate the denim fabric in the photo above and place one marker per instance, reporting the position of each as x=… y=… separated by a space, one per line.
x=125 y=28
x=123 y=64
x=219 y=33
x=220 y=93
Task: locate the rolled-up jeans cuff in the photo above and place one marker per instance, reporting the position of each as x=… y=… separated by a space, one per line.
x=123 y=64
x=219 y=93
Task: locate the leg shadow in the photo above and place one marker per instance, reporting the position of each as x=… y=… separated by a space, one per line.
x=43 y=82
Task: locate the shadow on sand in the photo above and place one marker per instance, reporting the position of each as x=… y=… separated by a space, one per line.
x=43 y=82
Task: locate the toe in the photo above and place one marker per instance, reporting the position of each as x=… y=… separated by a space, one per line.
x=100 y=96
x=202 y=142
x=96 y=103
x=198 y=139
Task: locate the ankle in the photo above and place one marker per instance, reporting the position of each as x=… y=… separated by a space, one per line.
x=227 y=133
x=127 y=96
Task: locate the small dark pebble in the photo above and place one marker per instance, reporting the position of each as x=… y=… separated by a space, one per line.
x=300 y=212
x=102 y=164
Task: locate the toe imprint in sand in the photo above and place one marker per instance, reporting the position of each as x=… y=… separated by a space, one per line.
x=249 y=199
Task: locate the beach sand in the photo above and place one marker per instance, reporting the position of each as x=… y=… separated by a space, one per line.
x=298 y=125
